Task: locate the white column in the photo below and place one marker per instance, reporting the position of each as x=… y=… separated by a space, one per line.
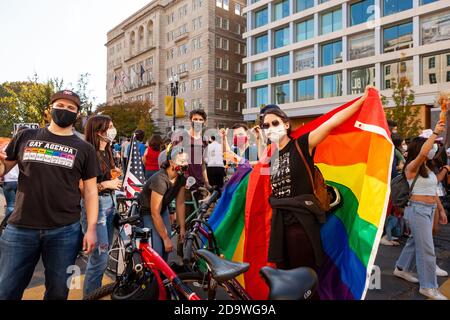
x=378 y=44
x=291 y=62
x=316 y=55
x=316 y=24
x=292 y=32
x=416 y=71
x=291 y=7
x=269 y=12
x=344 y=15
x=291 y=91
x=344 y=48
x=270 y=67
x=250 y=23
x=249 y=98
x=316 y=87
x=378 y=76
x=416 y=3
x=249 y=46
x=344 y=82
x=416 y=32
x=269 y=94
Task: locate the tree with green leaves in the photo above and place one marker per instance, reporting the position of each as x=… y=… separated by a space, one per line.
x=129 y=116
x=404 y=113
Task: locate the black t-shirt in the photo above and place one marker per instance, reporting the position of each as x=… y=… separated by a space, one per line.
x=51 y=167
x=161 y=184
x=105 y=166
x=289 y=177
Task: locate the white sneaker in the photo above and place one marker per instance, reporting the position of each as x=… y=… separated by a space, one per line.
x=408 y=276
x=433 y=294
x=440 y=272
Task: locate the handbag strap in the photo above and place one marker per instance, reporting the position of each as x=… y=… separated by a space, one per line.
x=412 y=185
x=306 y=165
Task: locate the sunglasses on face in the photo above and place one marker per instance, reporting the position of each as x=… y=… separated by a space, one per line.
x=266 y=125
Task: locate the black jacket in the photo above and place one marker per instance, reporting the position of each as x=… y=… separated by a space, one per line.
x=305 y=209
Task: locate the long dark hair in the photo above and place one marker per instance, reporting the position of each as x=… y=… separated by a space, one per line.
x=281 y=114
x=414 y=148
x=99 y=124
x=155 y=142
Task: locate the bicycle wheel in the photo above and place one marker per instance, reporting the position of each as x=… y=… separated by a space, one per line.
x=102 y=292
x=116 y=259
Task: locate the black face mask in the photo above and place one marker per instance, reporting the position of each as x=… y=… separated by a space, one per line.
x=63 y=118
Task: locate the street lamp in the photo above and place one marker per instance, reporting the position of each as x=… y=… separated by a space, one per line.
x=174 y=91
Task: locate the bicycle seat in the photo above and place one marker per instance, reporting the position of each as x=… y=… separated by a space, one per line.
x=295 y=284
x=222 y=270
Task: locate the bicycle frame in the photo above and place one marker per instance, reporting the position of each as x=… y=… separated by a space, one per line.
x=157 y=265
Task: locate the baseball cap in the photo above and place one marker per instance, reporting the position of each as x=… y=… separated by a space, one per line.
x=427 y=133
x=66 y=94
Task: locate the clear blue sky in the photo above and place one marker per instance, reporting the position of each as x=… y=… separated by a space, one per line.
x=59 y=38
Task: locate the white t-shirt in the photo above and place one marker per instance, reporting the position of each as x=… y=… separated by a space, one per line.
x=12 y=175
x=214 y=155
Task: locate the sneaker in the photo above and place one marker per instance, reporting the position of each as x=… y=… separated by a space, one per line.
x=408 y=276
x=433 y=294
x=440 y=272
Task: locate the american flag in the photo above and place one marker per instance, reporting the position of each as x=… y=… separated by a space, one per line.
x=135 y=171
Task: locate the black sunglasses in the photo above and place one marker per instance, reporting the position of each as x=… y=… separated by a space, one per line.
x=266 y=125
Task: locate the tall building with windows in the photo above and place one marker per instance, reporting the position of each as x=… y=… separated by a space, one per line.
x=309 y=56
x=200 y=40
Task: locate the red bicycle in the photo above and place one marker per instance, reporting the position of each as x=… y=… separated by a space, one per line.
x=146 y=274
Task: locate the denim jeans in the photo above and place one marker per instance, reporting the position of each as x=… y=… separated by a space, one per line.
x=9 y=190
x=98 y=260
x=419 y=249
x=149 y=173
x=157 y=242
x=20 y=250
x=393 y=224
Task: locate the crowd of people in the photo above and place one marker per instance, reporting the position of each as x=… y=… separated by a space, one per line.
x=66 y=192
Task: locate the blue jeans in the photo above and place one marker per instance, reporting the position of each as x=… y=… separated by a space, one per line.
x=149 y=173
x=157 y=242
x=419 y=249
x=20 y=250
x=98 y=260
x=393 y=224
x=9 y=190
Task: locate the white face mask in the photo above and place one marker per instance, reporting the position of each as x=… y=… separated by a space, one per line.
x=432 y=152
x=110 y=135
x=276 y=133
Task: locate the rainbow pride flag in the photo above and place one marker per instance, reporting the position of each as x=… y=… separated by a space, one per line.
x=356 y=158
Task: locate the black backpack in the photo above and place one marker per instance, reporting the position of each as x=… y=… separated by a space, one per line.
x=400 y=190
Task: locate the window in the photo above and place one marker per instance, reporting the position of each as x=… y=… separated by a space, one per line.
x=218 y=22
x=218 y=104
x=261 y=18
x=435 y=28
x=197 y=63
x=196 y=4
x=261 y=97
x=182 y=68
x=303 y=5
x=218 y=83
x=281 y=65
x=238 y=68
x=305 y=30
x=224 y=84
x=281 y=10
x=432 y=78
x=197 y=23
x=238 y=87
x=281 y=38
x=394 y=6
x=219 y=63
x=398 y=37
x=261 y=44
x=196 y=43
x=304 y=59
x=397 y=70
x=225 y=24
x=226 y=4
x=281 y=93
x=238 y=107
x=237 y=9
x=225 y=44
x=422 y=2
x=448 y=76
x=305 y=89
x=331 y=21
x=361 y=12
x=435 y=68
x=331 y=53
x=331 y=85
x=225 y=104
x=197 y=103
x=260 y=70
x=197 y=84
x=360 y=78
x=170 y=18
x=361 y=46
x=225 y=64
x=218 y=42
x=182 y=50
x=432 y=63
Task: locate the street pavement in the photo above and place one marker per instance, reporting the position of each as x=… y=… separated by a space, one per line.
x=388 y=287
